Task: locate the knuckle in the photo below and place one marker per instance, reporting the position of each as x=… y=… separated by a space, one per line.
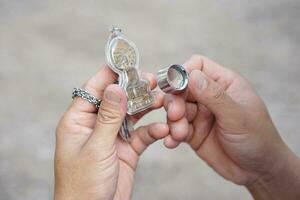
x=216 y=92
x=108 y=115
x=197 y=57
x=199 y=60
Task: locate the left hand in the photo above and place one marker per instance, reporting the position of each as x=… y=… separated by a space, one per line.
x=91 y=162
x=228 y=126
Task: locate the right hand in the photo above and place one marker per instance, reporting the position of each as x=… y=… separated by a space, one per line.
x=227 y=124
x=91 y=161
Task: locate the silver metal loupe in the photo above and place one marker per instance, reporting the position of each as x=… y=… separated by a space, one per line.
x=173 y=79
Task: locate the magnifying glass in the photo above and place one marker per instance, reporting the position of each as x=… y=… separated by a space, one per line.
x=173 y=79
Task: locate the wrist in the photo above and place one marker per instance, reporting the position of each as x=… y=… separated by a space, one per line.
x=281 y=181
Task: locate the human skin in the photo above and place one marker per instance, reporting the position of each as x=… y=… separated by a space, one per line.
x=228 y=126
x=91 y=161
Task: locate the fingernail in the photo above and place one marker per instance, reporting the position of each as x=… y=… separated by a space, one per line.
x=112 y=96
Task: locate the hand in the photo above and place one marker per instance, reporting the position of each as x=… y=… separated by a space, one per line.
x=91 y=162
x=226 y=123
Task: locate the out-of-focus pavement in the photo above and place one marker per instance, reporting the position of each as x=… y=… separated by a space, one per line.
x=48 y=47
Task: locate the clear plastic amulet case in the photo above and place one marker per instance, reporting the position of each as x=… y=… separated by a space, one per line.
x=123 y=58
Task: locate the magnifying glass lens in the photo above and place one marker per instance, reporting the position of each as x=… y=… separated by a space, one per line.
x=173 y=79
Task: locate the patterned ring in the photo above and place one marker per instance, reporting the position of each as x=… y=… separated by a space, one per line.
x=78 y=92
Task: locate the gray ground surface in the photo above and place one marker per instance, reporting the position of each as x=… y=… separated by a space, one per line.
x=48 y=47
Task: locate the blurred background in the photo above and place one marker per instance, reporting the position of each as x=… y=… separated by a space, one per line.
x=49 y=47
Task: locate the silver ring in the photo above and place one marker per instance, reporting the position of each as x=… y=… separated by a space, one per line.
x=78 y=92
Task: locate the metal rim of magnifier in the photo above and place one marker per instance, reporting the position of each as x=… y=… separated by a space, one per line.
x=165 y=82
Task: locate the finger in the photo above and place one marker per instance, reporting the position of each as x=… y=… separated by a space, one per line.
x=95 y=86
x=191 y=111
x=146 y=135
x=200 y=128
x=179 y=129
x=175 y=107
x=210 y=94
x=111 y=114
x=151 y=79
x=170 y=143
x=213 y=70
x=159 y=97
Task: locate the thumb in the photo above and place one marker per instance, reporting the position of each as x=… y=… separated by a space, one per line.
x=111 y=114
x=212 y=95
